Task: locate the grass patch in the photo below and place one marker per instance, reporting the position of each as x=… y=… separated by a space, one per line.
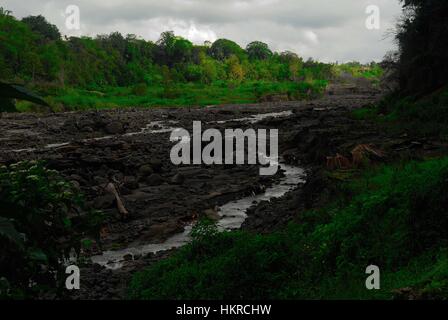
x=366 y=113
x=176 y=95
x=393 y=217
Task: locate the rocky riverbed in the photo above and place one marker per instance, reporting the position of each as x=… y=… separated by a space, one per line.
x=130 y=148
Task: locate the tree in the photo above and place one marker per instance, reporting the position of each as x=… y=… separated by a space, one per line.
x=258 y=50
x=114 y=41
x=182 y=50
x=293 y=63
x=18 y=48
x=210 y=72
x=41 y=26
x=423 y=46
x=288 y=56
x=193 y=73
x=223 y=49
x=235 y=69
x=173 y=49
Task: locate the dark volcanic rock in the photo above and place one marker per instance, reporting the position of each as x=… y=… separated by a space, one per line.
x=104 y=202
x=145 y=170
x=178 y=179
x=154 y=180
x=114 y=128
x=156 y=165
x=130 y=183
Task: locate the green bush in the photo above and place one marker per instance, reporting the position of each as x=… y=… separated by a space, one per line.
x=40 y=214
x=140 y=89
x=427 y=116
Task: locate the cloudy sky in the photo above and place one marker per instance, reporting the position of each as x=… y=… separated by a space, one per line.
x=322 y=29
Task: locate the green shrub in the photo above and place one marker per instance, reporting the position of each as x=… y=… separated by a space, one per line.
x=140 y=89
x=39 y=216
x=425 y=117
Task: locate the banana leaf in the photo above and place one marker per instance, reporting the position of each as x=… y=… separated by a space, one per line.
x=12 y=91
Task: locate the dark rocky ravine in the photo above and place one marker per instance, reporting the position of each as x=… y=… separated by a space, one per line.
x=131 y=148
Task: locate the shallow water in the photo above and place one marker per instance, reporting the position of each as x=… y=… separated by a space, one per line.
x=114 y=259
x=151 y=128
x=158 y=127
x=233 y=214
x=259 y=117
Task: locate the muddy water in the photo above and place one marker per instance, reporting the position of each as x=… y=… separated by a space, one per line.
x=232 y=214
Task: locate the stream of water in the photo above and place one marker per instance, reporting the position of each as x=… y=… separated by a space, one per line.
x=232 y=214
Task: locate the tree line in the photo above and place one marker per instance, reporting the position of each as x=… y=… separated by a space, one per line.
x=32 y=50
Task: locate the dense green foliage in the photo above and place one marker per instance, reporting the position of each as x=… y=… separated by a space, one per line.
x=39 y=216
x=426 y=117
x=357 y=70
x=419 y=106
x=32 y=50
x=423 y=55
x=39 y=25
x=181 y=94
x=172 y=71
x=393 y=217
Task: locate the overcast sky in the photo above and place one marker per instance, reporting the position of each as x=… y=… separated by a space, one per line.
x=328 y=30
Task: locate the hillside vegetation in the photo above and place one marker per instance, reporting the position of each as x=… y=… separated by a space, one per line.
x=118 y=70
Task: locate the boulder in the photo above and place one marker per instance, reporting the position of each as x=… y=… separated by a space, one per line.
x=130 y=183
x=145 y=170
x=114 y=127
x=154 y=180
x=104 y=202
x=178 y=179
x=156 y=165
x=212 y=214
